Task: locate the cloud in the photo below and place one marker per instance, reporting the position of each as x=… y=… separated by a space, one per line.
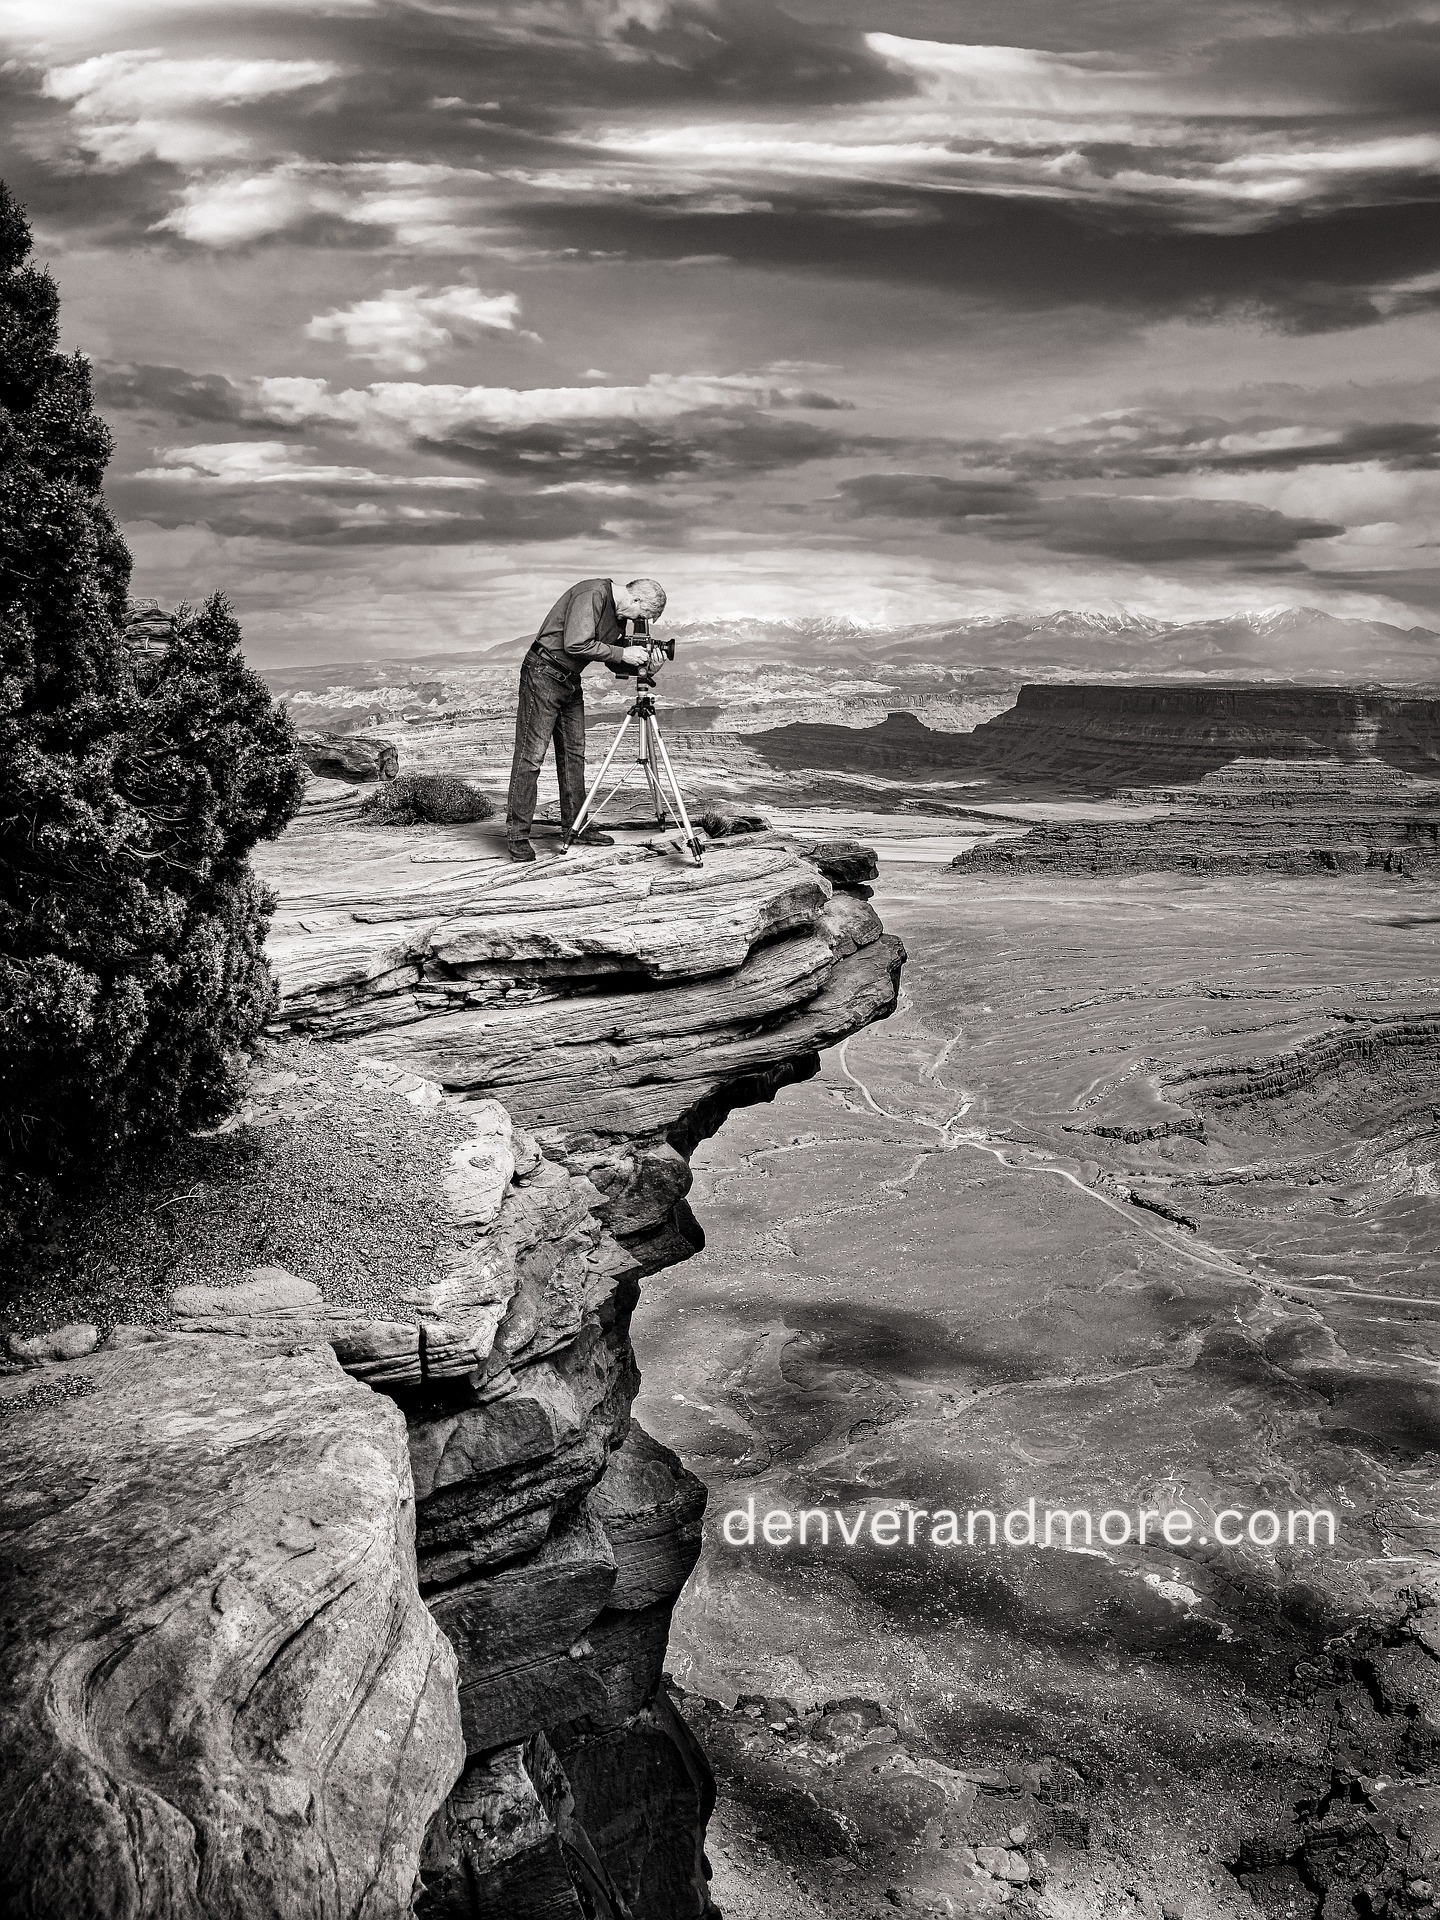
x=931 y=496
x=1164 y=177
x=433 y=410
x=701 y=424
x=1136 y=443
x=271 y=462
x=1024 y=254
x=404 y=326
x=1166 y=528
x=705 y=443
x=706 y=425
x=138 y=105
x=1138 y=194
x=174 y=394
x=1135 y=527
x=229 y=487
x=326 y=518
x=50 y=28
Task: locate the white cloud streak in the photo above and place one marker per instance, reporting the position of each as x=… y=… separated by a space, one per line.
x=139 y=105
x=403 y=327
x=245 y=463
x=425 y=207
x=412 y=410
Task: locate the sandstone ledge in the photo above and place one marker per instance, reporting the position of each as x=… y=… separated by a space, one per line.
x=618 y=1001
x=558 y=1040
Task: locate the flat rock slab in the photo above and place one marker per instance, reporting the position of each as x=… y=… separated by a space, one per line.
x=359 y=914
x=220 y=1692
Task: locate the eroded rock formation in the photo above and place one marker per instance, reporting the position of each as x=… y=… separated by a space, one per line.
x=1209 y=842
x=577 y=1029
x=353 y=757
x=220 y=1692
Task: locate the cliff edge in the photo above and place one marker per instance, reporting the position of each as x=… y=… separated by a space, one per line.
x=465 y=1145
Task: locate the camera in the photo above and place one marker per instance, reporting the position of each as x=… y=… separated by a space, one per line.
x=638 y=633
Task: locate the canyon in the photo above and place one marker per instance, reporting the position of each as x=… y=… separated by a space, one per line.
x=1232 y=780
x=386 y=1413
x=1100 y=737
x=1131 y=1204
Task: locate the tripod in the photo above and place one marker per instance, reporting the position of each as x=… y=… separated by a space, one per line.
x=653 y=761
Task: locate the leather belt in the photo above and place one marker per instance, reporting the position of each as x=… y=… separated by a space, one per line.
x=554 y=659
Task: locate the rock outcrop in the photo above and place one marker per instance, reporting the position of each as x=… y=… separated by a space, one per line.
x=354 y=757
x=618 y=1004
x=1106 y=736
x=559 y=1039
x=1268 y=841
x=220 y=1692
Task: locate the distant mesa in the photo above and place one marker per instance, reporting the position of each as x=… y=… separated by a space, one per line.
x=1101 y=738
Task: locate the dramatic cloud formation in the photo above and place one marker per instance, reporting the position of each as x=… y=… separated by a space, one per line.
x=1122 y=527
x=1105 y=303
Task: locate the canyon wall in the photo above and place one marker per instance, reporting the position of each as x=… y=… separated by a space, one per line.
x=1099 y=738
x=515 y=1065
x=1106 y=736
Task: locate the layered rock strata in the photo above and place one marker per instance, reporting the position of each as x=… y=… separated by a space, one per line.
x=1104 y=737
x=583 y=1025
x=542 y=987
x=1285 y=780
x=1268 y=841
x=220 y=1692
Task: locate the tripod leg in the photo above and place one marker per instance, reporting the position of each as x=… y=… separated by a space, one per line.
x=690 y=839
x=647 y=760
x=582 y=819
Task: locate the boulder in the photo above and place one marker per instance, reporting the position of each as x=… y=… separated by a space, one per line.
x=58 y=1343
x=221 y=1694
x=354 y=757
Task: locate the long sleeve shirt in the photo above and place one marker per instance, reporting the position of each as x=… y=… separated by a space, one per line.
x=583 y=626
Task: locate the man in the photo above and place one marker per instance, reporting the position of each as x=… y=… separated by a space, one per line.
x=583 y=625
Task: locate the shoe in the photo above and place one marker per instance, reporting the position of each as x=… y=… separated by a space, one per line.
x=521 y=850
x=592 y=837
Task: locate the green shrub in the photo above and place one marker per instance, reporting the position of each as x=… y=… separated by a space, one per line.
x=131 y=792
x=436 y=799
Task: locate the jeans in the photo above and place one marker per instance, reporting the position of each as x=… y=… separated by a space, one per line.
x=552 y=706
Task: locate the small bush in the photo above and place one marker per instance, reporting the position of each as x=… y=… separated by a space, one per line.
x=719 y=822
x=434 y=799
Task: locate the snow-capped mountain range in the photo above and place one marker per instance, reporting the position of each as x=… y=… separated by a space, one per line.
x=951 y=673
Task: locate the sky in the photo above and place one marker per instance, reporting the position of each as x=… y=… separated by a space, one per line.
x=406 y=315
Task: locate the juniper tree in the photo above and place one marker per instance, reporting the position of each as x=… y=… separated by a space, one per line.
x=131 y=792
